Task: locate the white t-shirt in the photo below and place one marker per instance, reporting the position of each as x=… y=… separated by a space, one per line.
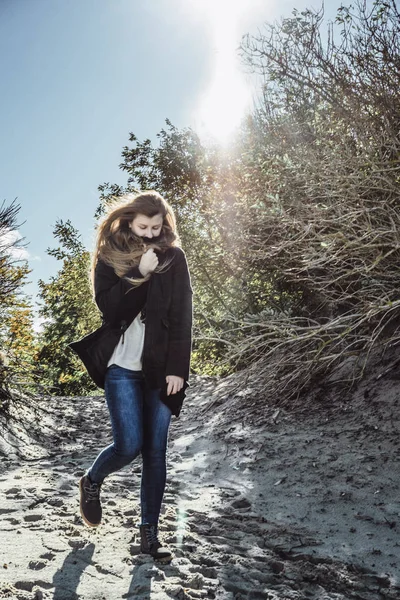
x=128 y=352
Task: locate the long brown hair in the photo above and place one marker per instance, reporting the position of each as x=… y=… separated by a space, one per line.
x=118 y=246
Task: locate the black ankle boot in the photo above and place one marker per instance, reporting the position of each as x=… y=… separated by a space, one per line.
x=149 y=543
x=90 y=504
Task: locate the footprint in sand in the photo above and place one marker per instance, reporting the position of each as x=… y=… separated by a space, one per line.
x=77 y=544
x=33 y=518
x=241 y=504
x=28 y=586
x=14 y=490
x=56 y=502
x=7 y=511
x=69 y=530
x=66 y=487
x=47 y=556
x=37 y=565
x=188 y=495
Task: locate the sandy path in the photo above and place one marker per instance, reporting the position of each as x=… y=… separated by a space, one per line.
x=306 y=506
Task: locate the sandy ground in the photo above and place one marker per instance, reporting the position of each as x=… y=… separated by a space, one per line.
x=261 y=503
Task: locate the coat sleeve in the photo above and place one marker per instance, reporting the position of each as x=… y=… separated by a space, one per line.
x=180 y=320
x=116 y=298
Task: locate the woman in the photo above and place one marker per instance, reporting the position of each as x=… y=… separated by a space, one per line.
x=142 y=287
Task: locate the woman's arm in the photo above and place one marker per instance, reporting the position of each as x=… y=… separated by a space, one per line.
x=180 y=319
x=116 y=298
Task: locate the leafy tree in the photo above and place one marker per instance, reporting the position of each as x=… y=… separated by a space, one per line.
x=16 y=368
x=69 y=314
x=200 y=182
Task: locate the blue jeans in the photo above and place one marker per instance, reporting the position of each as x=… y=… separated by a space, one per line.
x=140 y=422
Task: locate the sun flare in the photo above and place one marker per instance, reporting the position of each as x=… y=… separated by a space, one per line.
x=228 y=96
x=224 y=104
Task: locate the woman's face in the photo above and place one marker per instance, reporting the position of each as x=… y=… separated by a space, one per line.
x=147 y=227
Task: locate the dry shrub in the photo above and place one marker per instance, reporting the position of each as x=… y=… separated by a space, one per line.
x=322 y=202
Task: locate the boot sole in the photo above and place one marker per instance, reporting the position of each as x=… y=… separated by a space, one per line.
x=165 y=560
x=162 y=559
x=88 y=523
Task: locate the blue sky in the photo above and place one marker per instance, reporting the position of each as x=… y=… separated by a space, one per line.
x=78 y=75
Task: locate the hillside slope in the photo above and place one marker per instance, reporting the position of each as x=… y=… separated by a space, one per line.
x=303 y=505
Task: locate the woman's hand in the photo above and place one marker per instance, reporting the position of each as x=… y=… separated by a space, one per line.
x=148 y=262
x=175 y=384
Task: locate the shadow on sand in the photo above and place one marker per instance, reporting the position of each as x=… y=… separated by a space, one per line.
x=140 y=586
x=66 y=579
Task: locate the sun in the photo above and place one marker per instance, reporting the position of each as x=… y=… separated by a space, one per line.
x=228 y=96
x=224 y=104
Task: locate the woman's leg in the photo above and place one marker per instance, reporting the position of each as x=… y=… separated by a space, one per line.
x=124 y=395
x=156 y=420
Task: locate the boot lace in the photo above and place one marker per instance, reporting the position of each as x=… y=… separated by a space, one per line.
x=92 y=491
x=151 y=535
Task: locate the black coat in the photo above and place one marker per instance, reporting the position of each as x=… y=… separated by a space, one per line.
x=167 y=298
